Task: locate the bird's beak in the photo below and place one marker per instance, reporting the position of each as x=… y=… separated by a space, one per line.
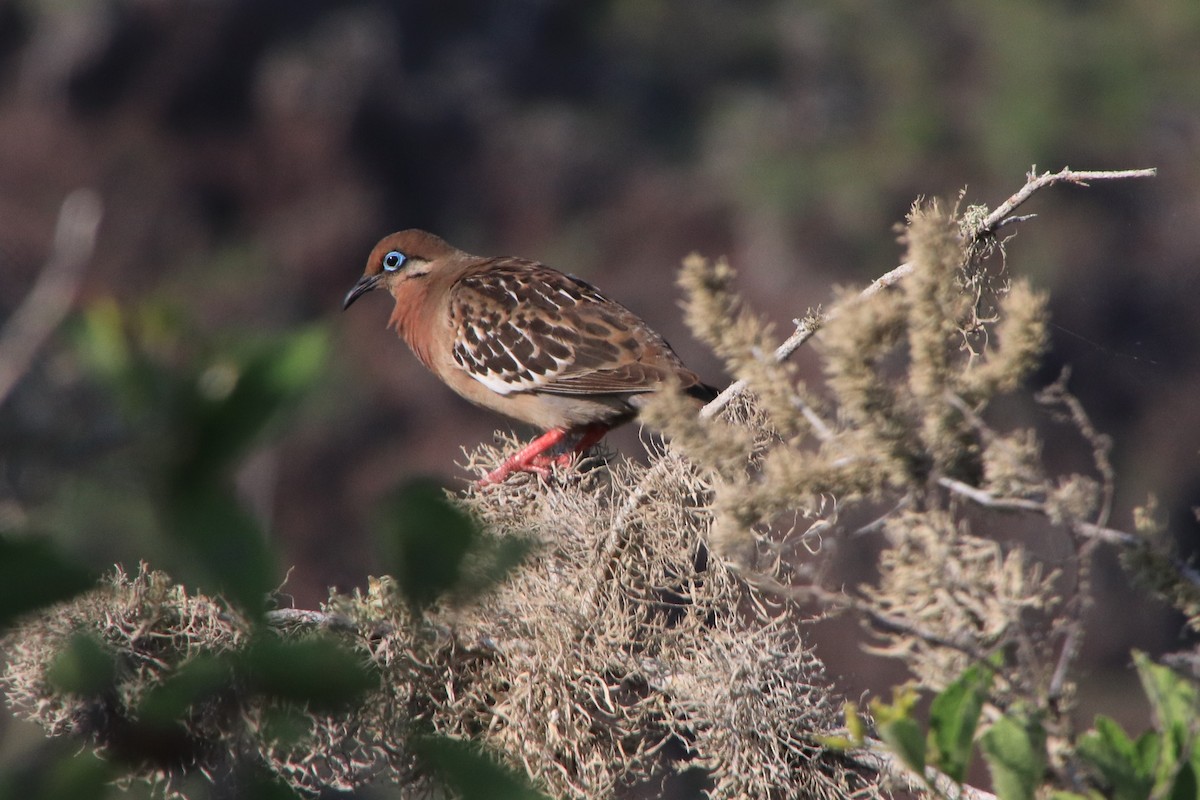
x=365 y=284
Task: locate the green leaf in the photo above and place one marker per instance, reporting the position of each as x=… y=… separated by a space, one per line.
x=117 y=357
x=84 y=667
x=317 y=671
x=1185 y=786
x=905 y=739
x=228 y=551
x=1015 y=750
x=298 y=361
x=471 y=773
x=56 y=773
x=235 y=398
x=198 y=680
x=839 y=743
x=855 y=725
x=428 y=540
x=1172 y=698
x=953 y=718
x=100 y=340
x=1175 y=702
x=34 y=575
x=1126 y=768
x=898 y=729
x=492 y=560
x=267 y=787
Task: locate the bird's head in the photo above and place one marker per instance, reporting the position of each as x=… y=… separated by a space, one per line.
x=398 y=258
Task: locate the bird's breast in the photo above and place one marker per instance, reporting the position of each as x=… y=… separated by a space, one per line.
x=419 y=329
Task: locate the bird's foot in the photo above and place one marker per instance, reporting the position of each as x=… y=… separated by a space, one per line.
x=553 y=448
x=530 y=458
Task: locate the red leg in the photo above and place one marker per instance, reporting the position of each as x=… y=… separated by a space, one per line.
x=586 y=438
x=526 y=459
x=591 y=435
x=536 y=456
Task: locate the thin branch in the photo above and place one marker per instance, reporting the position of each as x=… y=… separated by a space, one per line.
x=882 y=621
x=1087 y=530
x=1058 y=394
x=989 y=500
x=1182 y=568
x=307 y=618
x=880 y=522
x=1035 y=182
x=618 y=529
x=52 y=294
x=1001 y=216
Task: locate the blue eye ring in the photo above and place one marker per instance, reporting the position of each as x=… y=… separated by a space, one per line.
x=394 y=260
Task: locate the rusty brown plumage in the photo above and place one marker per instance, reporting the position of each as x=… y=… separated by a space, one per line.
x=522 y=339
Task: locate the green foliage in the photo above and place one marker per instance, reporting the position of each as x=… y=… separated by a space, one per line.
x=191 y=411
x=1126 y=767
x=1163 y=762
x=34 y=574
x=953 y=718
x=199 y=680
x=1015 y=750
x=230 y=403
x=319 y=673
x=471 y=773
x=59 y=774
x=84 y=667
x=900 y=729
x=436 y=549
x=856 y=730
x=159 y=681
x=229 y=550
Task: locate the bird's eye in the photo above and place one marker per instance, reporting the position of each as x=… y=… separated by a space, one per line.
x=394 y=260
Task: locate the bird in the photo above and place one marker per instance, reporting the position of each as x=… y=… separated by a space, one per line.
x=517 y=337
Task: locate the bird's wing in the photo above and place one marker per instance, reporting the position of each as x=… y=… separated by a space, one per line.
x=521 y=327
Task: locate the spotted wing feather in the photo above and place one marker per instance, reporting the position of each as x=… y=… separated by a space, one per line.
x=523 y=327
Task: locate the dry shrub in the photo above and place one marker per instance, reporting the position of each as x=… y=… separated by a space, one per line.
x=658 y=625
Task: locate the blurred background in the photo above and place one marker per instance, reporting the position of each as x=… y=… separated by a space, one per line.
x=249 y=154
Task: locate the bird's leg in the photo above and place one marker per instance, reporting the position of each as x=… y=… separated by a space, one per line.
x=579 y=442
x=591 y=434
x=538 y=455
x=528 y=459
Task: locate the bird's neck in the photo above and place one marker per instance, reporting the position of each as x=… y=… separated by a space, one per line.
x=412 y=318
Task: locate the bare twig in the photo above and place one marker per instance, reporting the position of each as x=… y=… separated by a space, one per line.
x=1087 y=530
x=1182 y=568
x=1035 y=182
x=307 y=618
x=51 y=296
x=988 y=500
x=618 y=529
x=1058 y=394
x=882 y=621
x=1001 y=216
